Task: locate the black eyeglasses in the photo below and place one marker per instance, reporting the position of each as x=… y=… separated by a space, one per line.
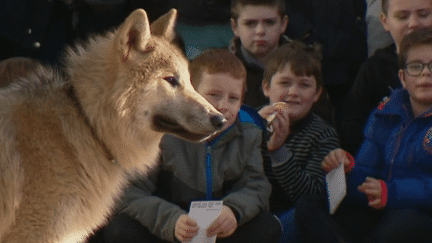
x=416 y=68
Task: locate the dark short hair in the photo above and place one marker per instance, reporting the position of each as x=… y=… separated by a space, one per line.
x=414 y=39
x=237 y=5
x=305 y=60
x=385 y=6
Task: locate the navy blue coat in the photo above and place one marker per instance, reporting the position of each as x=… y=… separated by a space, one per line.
x=398 y=150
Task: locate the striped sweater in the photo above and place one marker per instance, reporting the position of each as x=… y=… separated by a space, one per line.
x=295 y=168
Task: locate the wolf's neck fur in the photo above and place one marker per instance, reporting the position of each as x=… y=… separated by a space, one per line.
x=109 y=155
x=98 y=71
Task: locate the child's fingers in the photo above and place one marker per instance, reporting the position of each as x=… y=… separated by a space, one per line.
x=370 y=189
x=187 y=220
x=267 y=111
x=372 y=192
x=281 y=123
x=214 y=228
x=330 y=162
x=375 y=202
x=186 y=228
x=184 y=234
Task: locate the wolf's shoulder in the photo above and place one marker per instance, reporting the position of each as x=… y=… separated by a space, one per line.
x=42 y=93
x=43 y=82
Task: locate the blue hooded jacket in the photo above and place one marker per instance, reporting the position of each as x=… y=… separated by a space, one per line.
x=398 y=150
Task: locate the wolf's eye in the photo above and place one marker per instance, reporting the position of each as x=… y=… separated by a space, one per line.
x=171 y=80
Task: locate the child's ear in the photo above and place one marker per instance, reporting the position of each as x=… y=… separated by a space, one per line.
x=265 y=88
x=402 y=77
x=284 y=23
x=234 y=27
x=318 y=94
x=383 y=20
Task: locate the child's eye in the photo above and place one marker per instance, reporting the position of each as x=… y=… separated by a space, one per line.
x=401 y=15
x=251 y=23
x=424 y=13
x=284 y=83
x=270 y=22
x=234 y=98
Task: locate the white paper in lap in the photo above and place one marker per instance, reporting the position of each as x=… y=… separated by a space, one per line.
x=204 y=212
x=336 y=187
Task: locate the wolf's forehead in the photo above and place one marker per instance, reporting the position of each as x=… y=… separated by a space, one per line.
x=176 y=61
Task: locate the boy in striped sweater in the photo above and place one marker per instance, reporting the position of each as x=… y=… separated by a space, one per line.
x=300 y=139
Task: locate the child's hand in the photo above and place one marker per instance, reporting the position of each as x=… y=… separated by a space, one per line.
x=280 y=130
x=186 y=228
x=371 y=187
x=224 y=225
x=266 y=111
x=280 y=126
x=333 y=160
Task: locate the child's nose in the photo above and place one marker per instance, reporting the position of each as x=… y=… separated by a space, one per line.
x=293 y=90
x=426 y=71
x=414 y=22
x=222 y=105
x=260 y=28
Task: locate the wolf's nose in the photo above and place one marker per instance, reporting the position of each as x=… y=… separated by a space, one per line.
x=217 y=121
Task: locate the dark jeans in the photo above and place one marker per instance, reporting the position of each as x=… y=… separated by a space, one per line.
x=351 y=224
x=125 y=229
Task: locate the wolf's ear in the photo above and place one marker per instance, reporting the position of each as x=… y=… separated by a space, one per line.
x=133 y=34
x=164 y=25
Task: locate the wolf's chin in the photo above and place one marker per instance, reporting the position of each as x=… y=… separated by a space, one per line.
x=167 y=125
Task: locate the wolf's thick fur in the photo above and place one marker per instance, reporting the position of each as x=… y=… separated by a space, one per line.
x=60 y=135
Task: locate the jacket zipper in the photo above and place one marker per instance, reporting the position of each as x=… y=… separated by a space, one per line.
x=209 y=179
x=396 y=149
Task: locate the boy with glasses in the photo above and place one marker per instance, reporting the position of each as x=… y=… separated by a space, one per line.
x=390 y=183
x=416 y=68
x=378 y=76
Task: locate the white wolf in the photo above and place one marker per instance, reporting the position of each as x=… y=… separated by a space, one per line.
x=68 y=143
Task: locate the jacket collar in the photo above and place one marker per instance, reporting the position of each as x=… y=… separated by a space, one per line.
x=229 y=134
x=392 y=106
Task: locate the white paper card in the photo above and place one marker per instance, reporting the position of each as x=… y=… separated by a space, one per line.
x=204 y=212
x=336 y=187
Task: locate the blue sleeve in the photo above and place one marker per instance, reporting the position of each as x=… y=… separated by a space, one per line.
x=414 y=191
x=368 y=162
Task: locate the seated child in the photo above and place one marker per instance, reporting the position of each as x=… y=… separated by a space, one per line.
x=258 y=27
x=301 y=139
x=389 y=186
x=227 y=166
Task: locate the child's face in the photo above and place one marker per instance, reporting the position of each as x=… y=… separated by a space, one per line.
x=419 y=87
x=405 y=16
x=299 y=92
x=224 y=92
x=259 y=29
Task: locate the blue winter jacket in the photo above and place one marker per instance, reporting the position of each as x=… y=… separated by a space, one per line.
x=398 y=150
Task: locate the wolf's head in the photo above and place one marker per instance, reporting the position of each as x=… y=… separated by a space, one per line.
x=141 y=78
x=166 y=97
